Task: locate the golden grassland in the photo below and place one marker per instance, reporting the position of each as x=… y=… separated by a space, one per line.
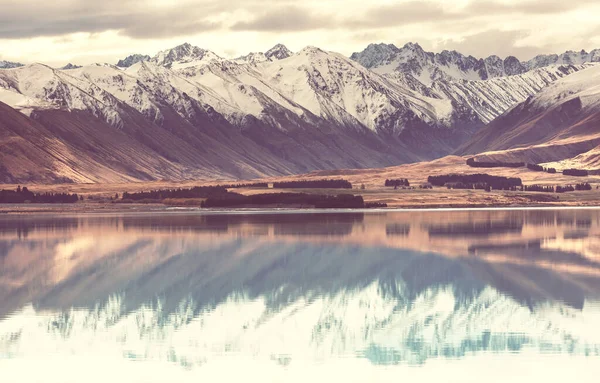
x=97 y=196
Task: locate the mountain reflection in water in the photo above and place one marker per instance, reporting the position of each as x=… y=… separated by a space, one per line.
x=396 y=288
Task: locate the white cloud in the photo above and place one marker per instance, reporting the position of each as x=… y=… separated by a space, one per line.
x=83 y=32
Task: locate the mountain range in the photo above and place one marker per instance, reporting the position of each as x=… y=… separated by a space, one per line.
x=9 y=64
x=560 y=122
x=187 y=113
x=428 y=67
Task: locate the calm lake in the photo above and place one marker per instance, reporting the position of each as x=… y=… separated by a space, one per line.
x=446 y=296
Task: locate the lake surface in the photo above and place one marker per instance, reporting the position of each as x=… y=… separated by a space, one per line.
x=486 y=295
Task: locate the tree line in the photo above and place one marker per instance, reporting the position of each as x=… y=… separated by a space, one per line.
x=470 y=181
x=489 y=164
x=575 y=172
x=463 y=185
x=540 y=168
x=397 y=182
x=539 y=188
x=24 y=195
x=313 y=184
x=282 y=199
x=558 y=189
x=257 y=185
x=194 y=192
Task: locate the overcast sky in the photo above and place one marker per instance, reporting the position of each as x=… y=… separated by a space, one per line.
x=86 y=31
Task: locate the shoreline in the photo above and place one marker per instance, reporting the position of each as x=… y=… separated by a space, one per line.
x=99 y=209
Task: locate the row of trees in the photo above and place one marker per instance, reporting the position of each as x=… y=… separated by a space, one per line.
x=195 y=192
x=283 y=199
x=539 y=188
x=397 y=182
x=462 y=185
x=540 y=168
x=470 y=181
x=314 y=184
x=565 y=189
x=257 y=185
x=23 y=195
x=558 y=189
x=375 y=205
x=488 y=164
x=575 y=172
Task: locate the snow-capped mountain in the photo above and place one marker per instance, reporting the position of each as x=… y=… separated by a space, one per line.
x=71 y=66
x=428 y=67
x=569 y=57
x=278 y=52
x=183 y=56
x=9 y=64
x=132 y=59
x=489 y=99
x=559 y=122
x=304 y=110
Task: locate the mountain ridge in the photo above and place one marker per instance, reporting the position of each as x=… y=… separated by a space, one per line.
x=450 y=64
x=271 y=113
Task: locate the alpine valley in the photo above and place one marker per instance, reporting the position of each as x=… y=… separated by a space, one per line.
x=187 y=113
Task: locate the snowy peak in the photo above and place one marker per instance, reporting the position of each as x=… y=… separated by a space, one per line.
x=70 y=66
x=428 y=67
x=278 y=52
x=512 y=66
x=568 y=58
x=425 y=66
x=252 y=58
x=55 y=89
x=184 y=55
x=9 y=64
x=376 y=55
x=131 y=60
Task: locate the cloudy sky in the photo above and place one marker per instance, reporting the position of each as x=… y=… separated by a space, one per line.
x=86 y=31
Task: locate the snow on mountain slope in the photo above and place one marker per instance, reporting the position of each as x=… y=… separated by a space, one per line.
x=428 y=67
x=558 y=123
x=568 y=58
x=145 y=86
x=284 y=112
x=179 y=136
x=326 y=84
x=61 y=90
x=584 y=86
x=132 y=59
x=488 y=99
x=22 y=102
x=424 y=66
x=183 y=56
x=278 y=52
x=241 y=87
x=332 y=86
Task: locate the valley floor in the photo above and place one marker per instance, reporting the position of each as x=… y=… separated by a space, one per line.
x=374 y=191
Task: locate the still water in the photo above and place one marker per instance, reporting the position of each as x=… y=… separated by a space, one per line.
x=187 y=296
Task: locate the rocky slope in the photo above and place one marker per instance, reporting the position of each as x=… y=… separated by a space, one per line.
x=9 y=64
x=428 y=67
x=272 y=113
x=138 y=127
x=560 y=122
